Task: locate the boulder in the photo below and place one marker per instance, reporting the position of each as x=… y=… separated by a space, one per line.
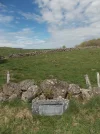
x=86 y=94
x=53 y=88
x=60 y=98
x=24 y=85
x=11 y=88
x=31 y=93
x=73 y=89
x=42 y=97
x=2 y=97
x=13 y=97
x=96 y=90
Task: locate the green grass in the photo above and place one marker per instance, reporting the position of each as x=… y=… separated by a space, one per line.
x=68 y=66
x=16 y=117
x=78 y=119
x=5 y=51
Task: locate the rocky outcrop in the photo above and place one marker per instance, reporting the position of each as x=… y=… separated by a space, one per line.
x=96 y=90
x=31 y=93
x=27 y=90
x=12 y=88
x=13 y=97
x=86 y=94
x=2 y=97
x=24 y=85
x=53 y=88
x=73 y=89
x=34 y=53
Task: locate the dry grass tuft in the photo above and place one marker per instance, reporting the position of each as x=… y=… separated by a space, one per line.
x=23 y=114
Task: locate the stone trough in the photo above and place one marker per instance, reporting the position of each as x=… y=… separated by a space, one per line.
x=49 y=107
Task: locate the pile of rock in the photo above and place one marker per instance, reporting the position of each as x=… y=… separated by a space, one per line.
x=27 y=90
x=19 y=55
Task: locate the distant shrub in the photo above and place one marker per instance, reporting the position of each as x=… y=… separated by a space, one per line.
x=63 y=47
x=90 y=43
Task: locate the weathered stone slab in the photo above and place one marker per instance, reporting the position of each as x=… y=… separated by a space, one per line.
x=49 y=107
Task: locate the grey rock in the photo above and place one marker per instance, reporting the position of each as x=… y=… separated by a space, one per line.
x=42 y=97
x=2 y=97
x=35 y=99
x=73 y=89
x=96 y=90
x=24 y=85
x=13 y=97
x=31 y=93
x=52 y=88
x=59 y=98
x=11 y=88
x=49 y=107
x=86 y=94
x=49 y=83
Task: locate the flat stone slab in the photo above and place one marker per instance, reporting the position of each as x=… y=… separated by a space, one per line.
x=49 y=107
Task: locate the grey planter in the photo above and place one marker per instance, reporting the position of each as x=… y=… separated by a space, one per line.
x=49 y=107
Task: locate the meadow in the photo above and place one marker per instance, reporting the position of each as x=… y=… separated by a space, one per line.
x=69 y=66
x=16 y=117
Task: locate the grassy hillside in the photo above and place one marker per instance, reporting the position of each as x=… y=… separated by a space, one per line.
x=5 y=51
x=94 y=43
x=16 y=117
x=68 y=66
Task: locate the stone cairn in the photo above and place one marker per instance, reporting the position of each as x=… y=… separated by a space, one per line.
x=49 y=89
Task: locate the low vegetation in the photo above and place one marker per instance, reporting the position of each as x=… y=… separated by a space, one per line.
x=90 y=43
x=69 y=66
x=3 y=59
x=16 y=116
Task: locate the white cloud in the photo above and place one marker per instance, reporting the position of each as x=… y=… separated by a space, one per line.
x=65 y=11
x=3 y=8
x=71 y=37
x=70 y=22
x=5 y=19
x=31 y=16
x=24 y=38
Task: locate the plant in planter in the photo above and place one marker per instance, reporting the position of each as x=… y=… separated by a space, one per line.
x=48 y=94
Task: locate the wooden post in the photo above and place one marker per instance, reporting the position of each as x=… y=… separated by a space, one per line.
x=8 y=77
x=98 y=79
x=88 y=83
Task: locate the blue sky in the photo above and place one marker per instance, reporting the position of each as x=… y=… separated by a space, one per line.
x=48 y=23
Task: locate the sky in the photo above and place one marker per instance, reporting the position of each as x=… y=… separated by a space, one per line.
x=43 y=24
